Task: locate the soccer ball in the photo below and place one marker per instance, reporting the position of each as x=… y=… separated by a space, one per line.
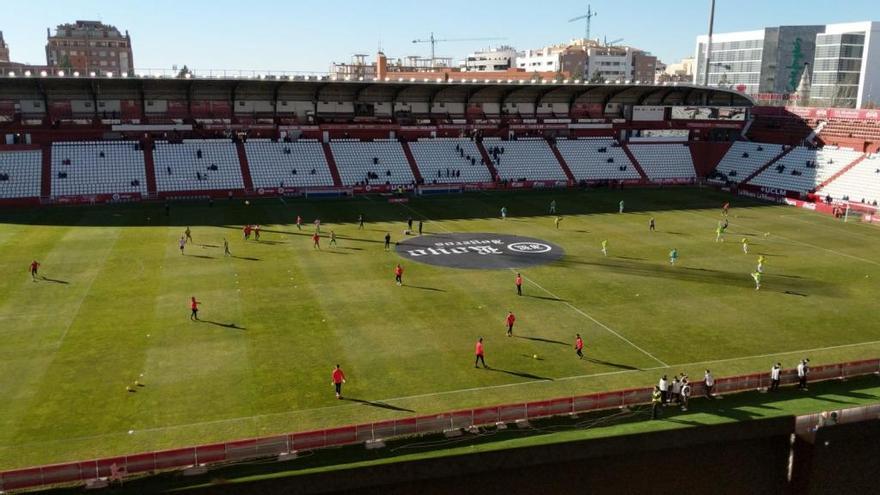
x=247 y=202
x=534 y=356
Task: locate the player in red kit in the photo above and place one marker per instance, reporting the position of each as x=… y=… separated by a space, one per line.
x=725 y=208
x=299 y=222
x=579 y=346
x=194 y=306
x=35 y=267
x=478 y=352
x=398 y=274
x=338 y=378
x=316 y=239
x=518 y=282
x=510 y=320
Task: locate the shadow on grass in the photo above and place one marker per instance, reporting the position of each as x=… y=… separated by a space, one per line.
x=609 y=363
x=433 y=289
x=381 y=405
x=541 y=339
x=205 y=257
x=247 y=258
x=55 y=281
x=224 y=325
x=521 y=374
x=545 y=298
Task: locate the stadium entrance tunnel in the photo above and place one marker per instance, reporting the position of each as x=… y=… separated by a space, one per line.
x=479 y=251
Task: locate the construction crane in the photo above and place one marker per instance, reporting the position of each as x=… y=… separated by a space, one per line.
x=612 y=42
x=433 y=41
x=589 y=15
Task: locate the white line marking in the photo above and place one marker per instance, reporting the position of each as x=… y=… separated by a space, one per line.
x=807 y=244
x=450 y=392
x=597 y=322
x=571 y=306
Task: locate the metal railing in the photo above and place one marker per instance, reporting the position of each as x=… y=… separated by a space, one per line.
x=239 y=450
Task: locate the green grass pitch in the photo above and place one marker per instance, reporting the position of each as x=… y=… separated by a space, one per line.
x=279 y=315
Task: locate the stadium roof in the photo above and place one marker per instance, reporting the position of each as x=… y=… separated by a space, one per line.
x=370 y=91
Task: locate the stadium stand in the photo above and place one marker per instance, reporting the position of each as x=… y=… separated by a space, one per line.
x=278 y=164
x=20 y=174
x=197 y=165
x=97 y=167
x=371 y=162
x=524 y=159
x=852 y=129
x=859 y=184
x=665 y=161
x=744 y=158
x=597 y=159
x=805 y=168
x=449 y=160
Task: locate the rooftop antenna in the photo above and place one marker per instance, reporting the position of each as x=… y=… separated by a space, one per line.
x=589 y=15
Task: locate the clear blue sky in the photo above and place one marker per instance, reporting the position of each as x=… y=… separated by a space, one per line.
x=300 y=35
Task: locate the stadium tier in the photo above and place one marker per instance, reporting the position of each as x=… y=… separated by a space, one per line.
x=524 y=159
x=597 y=159
x=664 y=161
x=197 y=165
x=860 y=184
x=296 y=164
x=449 y=161
x=745 y=158
x=20 y=174
x=804 y=168
x=97 y=167
x=378 y=162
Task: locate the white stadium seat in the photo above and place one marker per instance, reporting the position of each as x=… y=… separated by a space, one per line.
x=382 y=157
x=525 y=158
x=439 y=159
x=792 y=173
x=596 y=159
x=665 y=161
x=744 y=158
x=97 y=167
x=295 y=165
x=23 y=169
x=860 y=183
x=179 y=168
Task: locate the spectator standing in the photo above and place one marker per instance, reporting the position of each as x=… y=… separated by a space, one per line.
x=709 y=383
x=656 y=402
x=663 y=386
x=685 y=393
x=676 y=390
x=775 y=373
x=803 y=369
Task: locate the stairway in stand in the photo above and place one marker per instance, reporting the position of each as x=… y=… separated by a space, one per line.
x=245 y=167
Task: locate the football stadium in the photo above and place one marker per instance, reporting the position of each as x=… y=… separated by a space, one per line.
x=388 y=283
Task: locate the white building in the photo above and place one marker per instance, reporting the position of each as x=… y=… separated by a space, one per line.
x=590 y=59
x=844 y=58
x=493 y=59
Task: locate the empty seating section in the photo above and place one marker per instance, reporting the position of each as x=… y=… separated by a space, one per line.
x=596 y=159
x=802 y=169
x=371 y=162
x=868 y=130
x=744 y=158
x=197 y=165
x=858 y=184
x=449 y=160
x=20 y=174
x=97 y=167
x=525 y=158
x=664 y=161
x=297 y=164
